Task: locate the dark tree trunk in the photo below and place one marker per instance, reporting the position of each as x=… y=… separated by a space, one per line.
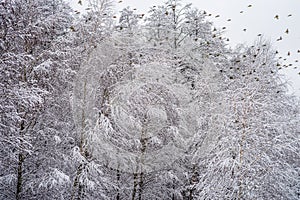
x=19 y=176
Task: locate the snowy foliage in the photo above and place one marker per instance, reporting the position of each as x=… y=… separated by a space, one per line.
x=154 y=109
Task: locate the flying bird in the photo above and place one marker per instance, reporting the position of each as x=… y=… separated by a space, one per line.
x=249 y=6
x=280 y=38
x=259 y=35
x=120 y=2
x=276 y=17
x=217 y=16
x=289 y=53
x=228 y=20
x=287 y=31
x=80 y=2
x=244 y=30
x=298 y=51
x=72 y=28
x=289 y=15
x=241 y=11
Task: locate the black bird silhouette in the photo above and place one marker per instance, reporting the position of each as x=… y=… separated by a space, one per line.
x=72 y=28
x=244 y=29
x=228 y=20
x=249 y=6
x=280 y=38
x=289 y=53
x=287 y=31
x=217 y=16
x=241 y=11
x=289 y=15
x=259 y=35
x=276 y=17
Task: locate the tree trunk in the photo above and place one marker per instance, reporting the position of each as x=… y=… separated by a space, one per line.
x=134 y=185
x=118 y=179
x=19 y=176
x=141 y=182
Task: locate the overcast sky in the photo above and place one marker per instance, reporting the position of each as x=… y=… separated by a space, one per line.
x=259 y=18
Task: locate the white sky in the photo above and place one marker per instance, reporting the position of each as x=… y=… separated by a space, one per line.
x=257 y=19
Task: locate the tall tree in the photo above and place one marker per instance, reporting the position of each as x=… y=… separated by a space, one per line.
x=254 y=156
x=27 y=80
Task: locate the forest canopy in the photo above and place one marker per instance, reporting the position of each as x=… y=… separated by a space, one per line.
x=140 y=106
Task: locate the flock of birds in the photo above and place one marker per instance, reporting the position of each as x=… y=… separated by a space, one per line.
x=280 y=38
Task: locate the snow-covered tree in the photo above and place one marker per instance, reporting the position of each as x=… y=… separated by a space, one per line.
x=256 y=153
x=97 y=109
x=28 y=77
